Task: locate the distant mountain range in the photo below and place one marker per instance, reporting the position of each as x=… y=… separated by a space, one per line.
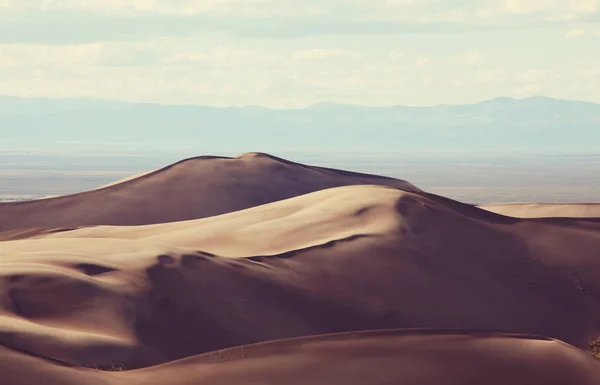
x=538 y=123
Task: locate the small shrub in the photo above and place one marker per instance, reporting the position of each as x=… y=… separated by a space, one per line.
x=594 y=346
x=114 y=367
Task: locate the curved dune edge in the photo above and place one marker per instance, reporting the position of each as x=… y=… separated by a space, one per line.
x=261 y=349
x=247 y=155
x=459 y=358
x=129 y=178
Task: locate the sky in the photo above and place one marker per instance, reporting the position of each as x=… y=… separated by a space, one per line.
x=294 y=53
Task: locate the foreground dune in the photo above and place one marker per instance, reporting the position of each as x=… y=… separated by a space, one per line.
x=193 y=188
x=342 y=259
x=377 y=358
x=540 y=210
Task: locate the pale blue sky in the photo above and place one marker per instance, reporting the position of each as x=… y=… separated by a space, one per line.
x=292 y=53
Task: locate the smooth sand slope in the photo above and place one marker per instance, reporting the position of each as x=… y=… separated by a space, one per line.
x=193 y=188
x=377 y=358
x=539 y=210
x=343 y=259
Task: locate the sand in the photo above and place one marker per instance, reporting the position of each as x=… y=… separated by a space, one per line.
x=378 y=358
x=538 y=210
x=193 y=188
x=376 y=257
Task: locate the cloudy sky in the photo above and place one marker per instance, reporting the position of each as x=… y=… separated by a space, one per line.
x=292 y=53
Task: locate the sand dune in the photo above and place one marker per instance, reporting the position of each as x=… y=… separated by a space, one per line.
x=539 y=210
x=193 y=188
x=250 y=254
x=378 y=358
x=343 y=259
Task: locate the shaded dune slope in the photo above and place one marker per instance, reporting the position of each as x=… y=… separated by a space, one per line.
x=193 y=188
x=343 y=259
x=377 y=357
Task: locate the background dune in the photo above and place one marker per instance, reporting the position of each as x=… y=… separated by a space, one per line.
x=538 y=210
x=193 y=188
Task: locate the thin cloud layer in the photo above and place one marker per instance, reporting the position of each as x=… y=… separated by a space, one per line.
x=290 y=53
x=81 y=21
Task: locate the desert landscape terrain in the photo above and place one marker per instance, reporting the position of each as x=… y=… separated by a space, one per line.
x=259 y=270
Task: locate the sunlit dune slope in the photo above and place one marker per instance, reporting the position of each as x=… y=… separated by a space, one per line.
x=343 y=259
x=377 y=358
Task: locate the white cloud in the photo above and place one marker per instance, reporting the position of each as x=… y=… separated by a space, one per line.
x=427 y=80
x=488 y=76
x=118 y=20
x=535 y=75
x=472 y=59
x=423 y=62
x=320 y=54
x=399 y=2
x=43 y=55
x=552 y=6
x=220 y=56
x=587 y=6
x=374 y=52
x=523 y=12
x=433 y=11
x=524 y=6
x=181 y=7
x=575 y=32
x=527 y=90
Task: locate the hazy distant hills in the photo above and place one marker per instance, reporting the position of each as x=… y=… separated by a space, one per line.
x=533 y=123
